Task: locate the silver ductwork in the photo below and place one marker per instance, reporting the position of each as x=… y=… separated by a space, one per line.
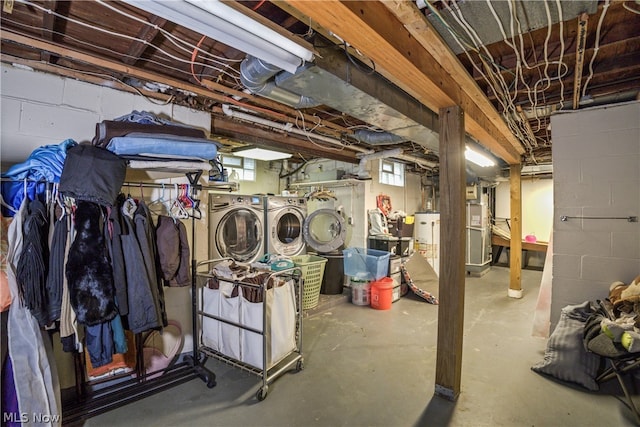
x=260 y=78
x=372 y=137
x=336 y=82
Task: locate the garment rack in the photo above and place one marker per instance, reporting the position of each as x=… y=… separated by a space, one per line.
x=133 y=389
x=123 y=388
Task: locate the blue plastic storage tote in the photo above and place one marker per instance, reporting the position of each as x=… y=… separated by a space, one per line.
x=369 y=264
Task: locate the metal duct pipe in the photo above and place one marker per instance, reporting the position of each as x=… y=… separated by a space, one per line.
x=395 y=153
x=226 y=109
x=417 y=160
x=258 y=76
x=373 y=156
x=377 y=138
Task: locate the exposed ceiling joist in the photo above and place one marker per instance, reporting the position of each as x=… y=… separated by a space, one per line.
x=395 y=35
x=583 y=20
x=209 y=89
x=281 y=141
x=145 y=35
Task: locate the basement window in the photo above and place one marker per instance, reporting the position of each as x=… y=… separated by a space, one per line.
x=391 y=173
x=243 y=167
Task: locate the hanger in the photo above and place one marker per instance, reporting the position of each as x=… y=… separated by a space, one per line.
x=7 y=205
x=178 y=210
x=164 y=203
x=57 y=199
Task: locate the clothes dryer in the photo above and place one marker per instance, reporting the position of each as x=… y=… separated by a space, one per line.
x=236 y=227
x=284 y=219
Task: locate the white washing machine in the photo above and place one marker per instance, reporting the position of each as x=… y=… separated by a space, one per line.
x=324 y=231
x=236 y=227
x=284 y=219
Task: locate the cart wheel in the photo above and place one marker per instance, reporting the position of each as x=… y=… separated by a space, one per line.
x=211 y=383
x=262 y=393
x=300 y=365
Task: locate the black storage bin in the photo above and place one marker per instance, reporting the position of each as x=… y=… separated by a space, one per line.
x=384 y=243
x=333 y=278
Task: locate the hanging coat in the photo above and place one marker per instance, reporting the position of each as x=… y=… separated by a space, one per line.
x=69 y=336
x=34 y=260
x=144 y=310
x=88 y=268
x=55 y=277
x=112 y=235
x=173 y=252
x=38 y=387
x=145 y=232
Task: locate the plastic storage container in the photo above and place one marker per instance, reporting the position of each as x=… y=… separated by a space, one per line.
x=367 y=264
x=312 y=267
x=360 y=291
x=382 y=293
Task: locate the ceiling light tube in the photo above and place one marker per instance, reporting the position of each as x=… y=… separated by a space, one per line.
x=261 y=154
x=478 y=158
x=218 y=28
x=242 y=21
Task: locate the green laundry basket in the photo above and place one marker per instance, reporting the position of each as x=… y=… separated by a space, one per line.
x=312 y=267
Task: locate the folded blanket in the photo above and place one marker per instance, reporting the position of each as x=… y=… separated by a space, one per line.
x=175 y=165
x=107 y=129
x=136 y=143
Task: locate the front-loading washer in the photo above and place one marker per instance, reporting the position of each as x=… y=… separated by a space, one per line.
x=236 y=227
x=284 y=219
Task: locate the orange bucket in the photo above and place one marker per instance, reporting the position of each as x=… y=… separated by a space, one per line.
x=382 y=293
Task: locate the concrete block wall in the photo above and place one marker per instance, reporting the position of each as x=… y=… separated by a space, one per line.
x=41 y=109
x=596 y=157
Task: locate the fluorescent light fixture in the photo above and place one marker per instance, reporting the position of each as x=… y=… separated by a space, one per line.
x=478 y=158
x=261 y=154
x=223 y=23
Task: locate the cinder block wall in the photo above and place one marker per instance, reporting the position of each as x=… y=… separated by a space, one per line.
x=596 y=157
x=40 y=109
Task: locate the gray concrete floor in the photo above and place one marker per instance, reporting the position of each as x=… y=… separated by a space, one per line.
x=365 y=367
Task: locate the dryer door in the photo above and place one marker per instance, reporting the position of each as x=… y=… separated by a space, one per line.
x=324 y=230
x=239 y=235
x=285 y=236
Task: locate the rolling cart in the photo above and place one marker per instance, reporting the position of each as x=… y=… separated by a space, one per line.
x=251 y=318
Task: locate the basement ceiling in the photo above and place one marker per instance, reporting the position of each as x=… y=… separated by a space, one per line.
x=381 y=70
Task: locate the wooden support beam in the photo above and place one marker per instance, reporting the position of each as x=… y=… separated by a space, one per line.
x=265 y=138
x=452 y=251
x=581 y=42
x=515 y=258
x=398 y=46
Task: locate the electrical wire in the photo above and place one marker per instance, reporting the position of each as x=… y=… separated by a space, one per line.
x=307 y=133
x=596 y=46
x=94 y=46
x=184 y=46
x=624 y=4
x=194 y=56
x=120 y=35
x=369 y=72
x=222 y=60
x=506 y=92
x=561 y=35
x=169 y=100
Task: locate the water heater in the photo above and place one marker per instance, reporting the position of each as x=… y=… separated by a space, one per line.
x=427 y=237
